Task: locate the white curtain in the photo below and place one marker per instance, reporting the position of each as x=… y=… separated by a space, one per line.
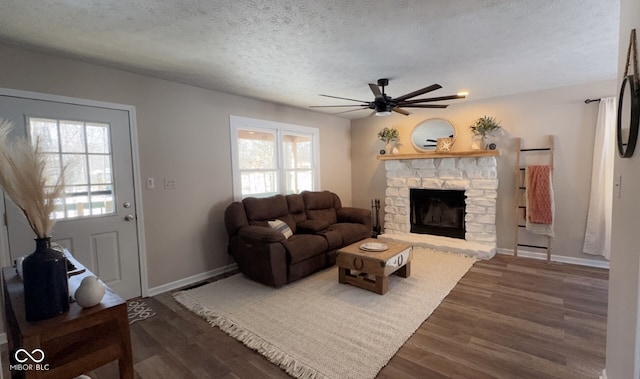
x=597 y=239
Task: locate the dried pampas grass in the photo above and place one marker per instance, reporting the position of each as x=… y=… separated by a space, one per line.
x=22 y=176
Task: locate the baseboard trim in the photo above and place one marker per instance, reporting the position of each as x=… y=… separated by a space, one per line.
x=191 y=280
x=556 y=258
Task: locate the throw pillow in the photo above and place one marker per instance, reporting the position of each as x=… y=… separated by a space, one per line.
x=282 y=227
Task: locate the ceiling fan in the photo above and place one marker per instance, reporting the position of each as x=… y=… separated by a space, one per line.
x=384 y=104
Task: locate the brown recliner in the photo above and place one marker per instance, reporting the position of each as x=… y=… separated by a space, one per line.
x=320 y=226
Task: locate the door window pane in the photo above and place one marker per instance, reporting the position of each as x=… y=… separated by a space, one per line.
x=100 y=169
x=72 y=137
x=98 y=139
x=77 y=201
x=101 y=200
x=52 y=168
x=76 y=169
x=45 y=133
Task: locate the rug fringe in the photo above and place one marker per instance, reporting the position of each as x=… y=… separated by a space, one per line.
x=285 y=361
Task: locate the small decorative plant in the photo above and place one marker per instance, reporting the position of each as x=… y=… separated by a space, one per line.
x=388 y=134
x=485 y=126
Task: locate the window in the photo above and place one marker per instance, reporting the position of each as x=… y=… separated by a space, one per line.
x=270 y=158
x=85 y=149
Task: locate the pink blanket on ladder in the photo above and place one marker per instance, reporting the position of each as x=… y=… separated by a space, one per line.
x=539 y=195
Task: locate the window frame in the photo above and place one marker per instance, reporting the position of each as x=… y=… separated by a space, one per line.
x=237 y=123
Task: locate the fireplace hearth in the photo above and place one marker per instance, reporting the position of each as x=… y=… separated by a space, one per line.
x=437 y=212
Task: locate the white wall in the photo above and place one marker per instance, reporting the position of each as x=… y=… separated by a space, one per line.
x=531 y=116
x=623 y=318
x=184 y=135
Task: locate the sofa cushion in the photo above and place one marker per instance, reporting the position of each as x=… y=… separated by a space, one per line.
x=320 y=206
x=296 y=207
x=312 y=226
x=304 y=246
x=282 y=227
x=334 y=238
x=261 y=210
x=351 y=232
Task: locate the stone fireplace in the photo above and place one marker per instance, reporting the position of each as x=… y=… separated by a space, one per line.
x=475 y=178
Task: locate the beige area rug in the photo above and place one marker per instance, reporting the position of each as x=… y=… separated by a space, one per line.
x=318 y=328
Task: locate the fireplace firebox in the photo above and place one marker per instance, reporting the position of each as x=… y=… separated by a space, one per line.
x=438 y=212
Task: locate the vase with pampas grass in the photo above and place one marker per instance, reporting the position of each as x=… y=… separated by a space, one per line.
x=23 y=179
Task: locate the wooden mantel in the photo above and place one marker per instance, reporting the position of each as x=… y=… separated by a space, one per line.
x=452 y=154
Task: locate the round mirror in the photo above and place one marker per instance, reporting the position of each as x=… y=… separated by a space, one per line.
x=628 y=116
x=425 y=135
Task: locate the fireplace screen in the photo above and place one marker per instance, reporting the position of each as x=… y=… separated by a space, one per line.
x=438 y=212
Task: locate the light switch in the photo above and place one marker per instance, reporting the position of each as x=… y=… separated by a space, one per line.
x=151 y=183
x=169 y=183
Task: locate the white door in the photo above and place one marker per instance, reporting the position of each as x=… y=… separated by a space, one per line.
x=96 y=218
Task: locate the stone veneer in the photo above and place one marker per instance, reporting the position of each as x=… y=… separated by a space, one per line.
x=477 y=176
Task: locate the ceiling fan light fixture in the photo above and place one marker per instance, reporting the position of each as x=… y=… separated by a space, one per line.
x=383 y=109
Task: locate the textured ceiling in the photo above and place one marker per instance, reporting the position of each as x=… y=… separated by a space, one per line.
x=289 y=51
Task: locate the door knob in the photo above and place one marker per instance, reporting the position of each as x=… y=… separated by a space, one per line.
x=129 y=217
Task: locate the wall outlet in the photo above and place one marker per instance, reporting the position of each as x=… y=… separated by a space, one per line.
x=169 y=183
x=151 y=183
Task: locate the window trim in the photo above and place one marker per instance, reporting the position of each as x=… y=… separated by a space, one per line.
x=239 y=123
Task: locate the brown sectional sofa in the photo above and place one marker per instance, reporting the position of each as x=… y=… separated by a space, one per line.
x=320 y=226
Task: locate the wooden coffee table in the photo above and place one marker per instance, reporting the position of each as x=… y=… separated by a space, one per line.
x=396 y=259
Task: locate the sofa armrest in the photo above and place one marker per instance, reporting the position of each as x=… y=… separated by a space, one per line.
x=356 y=215
x=264 y=262
x=311 y=226
x=261 y=233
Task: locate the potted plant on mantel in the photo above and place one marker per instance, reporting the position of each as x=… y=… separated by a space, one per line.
x=481 y=128
x=23 y=179
x=388 y=135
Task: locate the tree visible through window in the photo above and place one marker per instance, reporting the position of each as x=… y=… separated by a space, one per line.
x=271 y=158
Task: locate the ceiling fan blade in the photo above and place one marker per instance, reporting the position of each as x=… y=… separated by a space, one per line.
x=425 y=106
x=375 y=89
x=429 y=99
x=419 y=92
x=344 y=98
x=333 y=106
x=351 y=110
x=401 y=111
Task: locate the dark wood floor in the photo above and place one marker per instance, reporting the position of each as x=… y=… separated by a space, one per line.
x=507 y=318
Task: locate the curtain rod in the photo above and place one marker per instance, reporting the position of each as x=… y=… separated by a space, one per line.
x=591 y=101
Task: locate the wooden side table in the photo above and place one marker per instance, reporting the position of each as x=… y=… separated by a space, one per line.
x=73 y=343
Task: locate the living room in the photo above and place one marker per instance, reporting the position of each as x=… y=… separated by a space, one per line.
x=183 y=134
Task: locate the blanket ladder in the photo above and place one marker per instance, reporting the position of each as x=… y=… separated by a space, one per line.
x=520 y=186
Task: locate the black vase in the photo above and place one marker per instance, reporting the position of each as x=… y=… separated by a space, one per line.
x=46 y=289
